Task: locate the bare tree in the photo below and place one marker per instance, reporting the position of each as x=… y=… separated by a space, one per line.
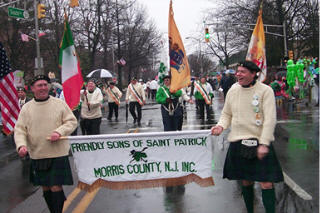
x=97 y=26
x=200 y=64
x=142 y=41
x=300 y=16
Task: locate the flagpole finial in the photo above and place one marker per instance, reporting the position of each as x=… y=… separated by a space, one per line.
x=260 y=8
x=65 y=14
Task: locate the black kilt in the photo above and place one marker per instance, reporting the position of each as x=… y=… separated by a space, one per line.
x=238 y=168
x=59 y=173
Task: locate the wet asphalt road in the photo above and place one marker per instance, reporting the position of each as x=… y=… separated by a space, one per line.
x=297 y=148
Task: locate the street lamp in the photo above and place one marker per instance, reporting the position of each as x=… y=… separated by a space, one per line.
x=200 y=55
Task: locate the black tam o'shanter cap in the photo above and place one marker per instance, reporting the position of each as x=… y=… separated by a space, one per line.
x=93 y=80
x=250 y=66
x=21 y=89
x=40 y=77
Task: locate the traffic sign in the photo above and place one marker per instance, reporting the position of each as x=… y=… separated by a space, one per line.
x=17 y=13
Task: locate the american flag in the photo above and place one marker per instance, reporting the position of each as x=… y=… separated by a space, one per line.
x=24 y=37
x=122 y=62
x=8 y=94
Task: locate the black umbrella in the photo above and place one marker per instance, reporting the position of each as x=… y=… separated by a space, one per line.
x=100 y=73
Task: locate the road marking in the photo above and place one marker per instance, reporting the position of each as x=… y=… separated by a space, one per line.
x=85 y=201
x=296 y=188
x=134 y=130
x=70 y=198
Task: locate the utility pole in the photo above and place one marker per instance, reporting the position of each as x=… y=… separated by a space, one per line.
x=119 y=47
x=200 y=53
x=241 y=25
x=285 y=39
x=38 y=60
x=112 y=49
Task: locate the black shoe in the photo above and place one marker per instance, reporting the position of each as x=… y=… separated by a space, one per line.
x=181 y=189
x=109 y=119
x=169 y=189
x=139 y=123
x=134 y=121
x=116 y=119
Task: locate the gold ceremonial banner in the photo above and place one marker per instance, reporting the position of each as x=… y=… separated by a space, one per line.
x=179 y=66
x=256 y=50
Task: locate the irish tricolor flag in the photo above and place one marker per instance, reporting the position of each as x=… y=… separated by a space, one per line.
x=70 y=68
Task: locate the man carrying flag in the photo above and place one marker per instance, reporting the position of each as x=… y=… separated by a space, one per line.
x=9 y=103
x=70 y=68
x=256 y=51
x=179 y=67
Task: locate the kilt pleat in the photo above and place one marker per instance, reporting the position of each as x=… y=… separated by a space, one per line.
x=59 y=173
x=238 y=168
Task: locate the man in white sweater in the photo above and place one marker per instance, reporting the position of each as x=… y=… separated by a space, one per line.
x=41 y=118
x=250 y=111
x=91 y=114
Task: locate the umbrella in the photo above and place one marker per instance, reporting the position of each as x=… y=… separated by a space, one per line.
x=100 y=73
x=231 y=71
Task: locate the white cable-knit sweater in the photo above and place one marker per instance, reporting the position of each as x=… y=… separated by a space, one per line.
x=36 y=122
x=95 y=100
x=240 y=112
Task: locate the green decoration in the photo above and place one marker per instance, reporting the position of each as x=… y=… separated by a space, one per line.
x=300 y=72
x=162 y=72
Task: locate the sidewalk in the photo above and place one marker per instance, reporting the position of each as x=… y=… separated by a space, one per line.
x=7 y=150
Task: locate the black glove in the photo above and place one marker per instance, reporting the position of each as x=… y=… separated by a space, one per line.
x=169 y=100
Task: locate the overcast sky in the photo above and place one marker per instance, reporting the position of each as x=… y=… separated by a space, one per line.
x=187 y=14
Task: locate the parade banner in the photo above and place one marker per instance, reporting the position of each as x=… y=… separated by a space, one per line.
x=143 y=160
x=179 y=66
x=256 y=50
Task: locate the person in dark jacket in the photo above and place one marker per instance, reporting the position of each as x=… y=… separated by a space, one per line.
x=22 y=95
x=227 y=81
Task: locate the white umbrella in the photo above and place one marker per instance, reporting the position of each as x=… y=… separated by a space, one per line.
x=100 y=73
